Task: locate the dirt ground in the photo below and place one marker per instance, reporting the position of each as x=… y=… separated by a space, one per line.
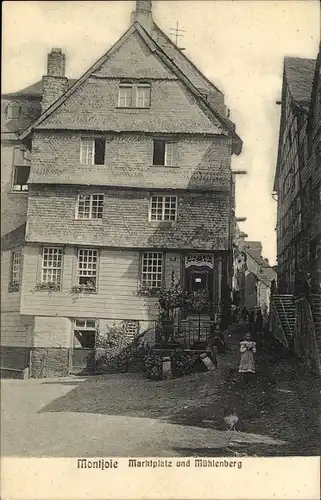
x=128 y=415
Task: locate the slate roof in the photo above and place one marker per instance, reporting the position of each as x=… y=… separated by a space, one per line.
x=30 y=101
x=13 y=239
x=299 y=74
x=179 y=65
x=34 y=90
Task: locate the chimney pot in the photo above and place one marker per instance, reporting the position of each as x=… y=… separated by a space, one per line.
x=143 y=15
x=56 y=63
x=54 y=83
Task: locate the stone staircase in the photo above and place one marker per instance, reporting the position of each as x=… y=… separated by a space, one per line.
x=285 y=308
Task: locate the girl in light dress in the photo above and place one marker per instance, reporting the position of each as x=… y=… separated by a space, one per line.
x=247 y=349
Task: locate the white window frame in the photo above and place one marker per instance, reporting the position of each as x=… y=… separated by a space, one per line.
x=91 y=206
x=149 y=277
x=143 y=86
x=133 y=95
x=85 y=327
x=130 y=87
x=55 y=266
x=170 y=163
x=16 y=260
x=91 y=271
x=155 y=198
x=170 y=153
x=84 y=159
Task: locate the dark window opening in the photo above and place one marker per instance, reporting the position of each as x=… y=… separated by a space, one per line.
x=90 y=283
x=159 y=153
x=100 y=151
x=21 y=176
x=85 y=339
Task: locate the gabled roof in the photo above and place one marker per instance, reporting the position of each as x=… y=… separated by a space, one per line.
x=209 y=109
x=34 y=90
x=178 y=56
x=299 y=75
x=315 y=88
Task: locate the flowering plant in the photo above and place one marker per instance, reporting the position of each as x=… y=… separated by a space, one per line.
x=48 y=285
x=13 y=286
x=87 y=287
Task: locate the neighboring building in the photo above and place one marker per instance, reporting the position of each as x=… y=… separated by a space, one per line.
x=130 y=181
x=18 y=111
x=297 y=306
x=253 y=276
x=297 y=179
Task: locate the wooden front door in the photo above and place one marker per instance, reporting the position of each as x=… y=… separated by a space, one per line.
x=83 y=349
x=198 y=279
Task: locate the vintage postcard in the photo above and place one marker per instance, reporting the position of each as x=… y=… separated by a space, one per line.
x=161 y=250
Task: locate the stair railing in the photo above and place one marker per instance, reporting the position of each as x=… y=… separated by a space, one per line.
x=286 y=317
x=275 y=313
x=306 y=328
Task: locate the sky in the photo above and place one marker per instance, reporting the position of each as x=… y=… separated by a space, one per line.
x=238 y=45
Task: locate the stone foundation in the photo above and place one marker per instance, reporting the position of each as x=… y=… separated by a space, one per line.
x=49 y=362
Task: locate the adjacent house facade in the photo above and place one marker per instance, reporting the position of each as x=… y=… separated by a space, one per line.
x=297 y=179
x=297 y=305
x=130 y=184
x=253 y=277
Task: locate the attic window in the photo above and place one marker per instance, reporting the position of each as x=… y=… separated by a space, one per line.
x=13 y=110
x=134 y=95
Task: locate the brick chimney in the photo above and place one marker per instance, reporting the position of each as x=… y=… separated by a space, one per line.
x=143 y=15
x=54 y=83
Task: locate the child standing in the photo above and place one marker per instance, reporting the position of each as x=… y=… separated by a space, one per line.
x=247 y=349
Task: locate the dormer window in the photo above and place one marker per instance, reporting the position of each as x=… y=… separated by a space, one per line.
x=134 y=95
x=13 y=110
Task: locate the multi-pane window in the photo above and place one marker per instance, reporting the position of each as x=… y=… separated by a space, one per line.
x=132 y=95
x=125 y=95
x=52 y=265
x=152 y=269
x=92 y=151
x=87 y=267
x=15 y=271
x=163 y=208
x=90 y=206
x=165 y=153
x=20 y=178
x=16 y=266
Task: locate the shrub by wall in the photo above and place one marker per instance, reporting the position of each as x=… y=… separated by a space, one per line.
x=183 y=362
